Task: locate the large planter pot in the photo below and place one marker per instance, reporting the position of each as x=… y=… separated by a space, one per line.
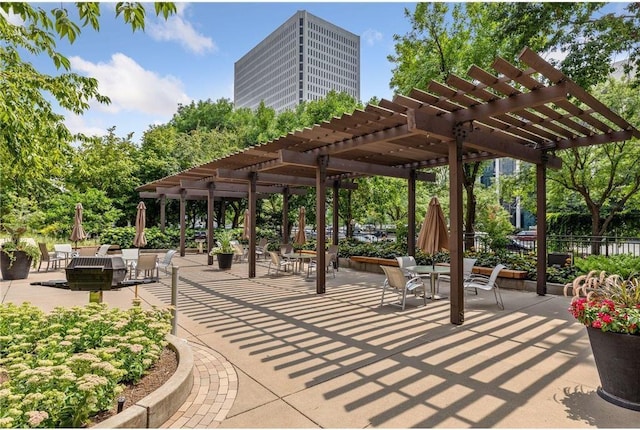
x=20 y=267
x=224 y=261
x=617 y=360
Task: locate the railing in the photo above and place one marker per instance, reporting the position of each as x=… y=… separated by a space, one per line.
x=579 y=246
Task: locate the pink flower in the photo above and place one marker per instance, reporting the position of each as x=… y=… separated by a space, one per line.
x=606 y=318
x=596 y=324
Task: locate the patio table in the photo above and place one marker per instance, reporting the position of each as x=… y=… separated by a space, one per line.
x=299 y=258
x=434 y=272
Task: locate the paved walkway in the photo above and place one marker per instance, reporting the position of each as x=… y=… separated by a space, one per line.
x=215 y=386
x=339 y=360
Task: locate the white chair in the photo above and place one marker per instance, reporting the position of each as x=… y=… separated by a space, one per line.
x=313 y=264
x=404 y=262
x=333 y=253
x=467 y=270
x=64 y=250
x=166 y=261
x=397 y=282
x=278 y=263
x=102 y=251
x=130 y=257
x=487 y=283
x=261 y=248
x=239 y=252
x=147 y=263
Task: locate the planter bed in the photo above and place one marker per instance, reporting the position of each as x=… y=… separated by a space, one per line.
x=155 y=409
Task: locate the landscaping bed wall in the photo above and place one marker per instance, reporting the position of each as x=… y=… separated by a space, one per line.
x=155 y=409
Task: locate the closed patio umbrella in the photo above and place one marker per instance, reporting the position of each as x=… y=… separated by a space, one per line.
x=433 y=236
x=301 y=238
x=245 y=227
x=141 y=219
x=78 y=232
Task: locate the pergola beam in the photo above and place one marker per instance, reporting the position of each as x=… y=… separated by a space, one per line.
x=274 y=178
x=310 y=160
x=495 y=142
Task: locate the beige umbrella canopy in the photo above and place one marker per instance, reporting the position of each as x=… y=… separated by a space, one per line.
x=433 y=235
x=301 y=238
x=78 y=232
x=245 y=227
x=139 y=240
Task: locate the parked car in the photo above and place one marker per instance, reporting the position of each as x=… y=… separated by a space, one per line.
x=514 y=245
x=526 y=235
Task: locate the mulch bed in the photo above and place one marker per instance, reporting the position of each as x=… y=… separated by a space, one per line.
x=156 y=376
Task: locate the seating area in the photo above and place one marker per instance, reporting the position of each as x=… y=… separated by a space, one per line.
x=49 y=257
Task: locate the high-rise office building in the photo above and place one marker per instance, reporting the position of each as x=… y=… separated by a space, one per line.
x=302 y=60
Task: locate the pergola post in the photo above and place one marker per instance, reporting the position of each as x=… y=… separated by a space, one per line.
x=183 y=222
x=541 y=232
x=252 y=224
x=285 y=215
x=210 y=210
x=223 y=214
x=321 y=214
x=336 y=220
x=163 y=212
x=411 y=217
x=455 y=226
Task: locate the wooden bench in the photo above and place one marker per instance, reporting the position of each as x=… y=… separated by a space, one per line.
x=370 y=264
x=504 y=273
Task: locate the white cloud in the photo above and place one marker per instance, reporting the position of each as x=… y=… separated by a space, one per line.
x=77 y=124
x=555 y=55
x=177 y=28
x=12 y=18
x=132 y=88
x=371 y=36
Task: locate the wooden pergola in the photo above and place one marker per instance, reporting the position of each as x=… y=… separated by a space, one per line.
x=523 y=113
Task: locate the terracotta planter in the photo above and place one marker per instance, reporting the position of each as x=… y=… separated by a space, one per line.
x=224 y=261
x=616 y=357
x=20 y=267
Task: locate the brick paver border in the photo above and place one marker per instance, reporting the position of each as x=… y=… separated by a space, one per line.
x=215 y=387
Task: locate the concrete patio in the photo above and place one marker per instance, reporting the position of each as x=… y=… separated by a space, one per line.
x=340 y=360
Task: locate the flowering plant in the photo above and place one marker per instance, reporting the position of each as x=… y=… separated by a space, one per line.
x=59 y=369
x=609 y=303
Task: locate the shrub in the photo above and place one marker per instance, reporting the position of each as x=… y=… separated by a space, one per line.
x=66 y=366
x=622 y=264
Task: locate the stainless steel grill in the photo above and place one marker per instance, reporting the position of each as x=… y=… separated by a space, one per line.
x=96 y=273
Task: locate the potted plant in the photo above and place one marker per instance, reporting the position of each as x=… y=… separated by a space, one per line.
x=609 y=307
x=17 y=256
x=224 y=250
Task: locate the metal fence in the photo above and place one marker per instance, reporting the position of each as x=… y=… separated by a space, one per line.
x=578 y=246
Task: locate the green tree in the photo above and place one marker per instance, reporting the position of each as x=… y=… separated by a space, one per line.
x=588 y=37
x=108 y=163
x=35 y=143
x=437 y=47
x=206 y=115
x=606 y=176
x=58 y=212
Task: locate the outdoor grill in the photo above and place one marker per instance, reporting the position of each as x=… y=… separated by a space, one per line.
x=95 y=273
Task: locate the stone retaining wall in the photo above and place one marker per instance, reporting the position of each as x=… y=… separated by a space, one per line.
x=155 y=409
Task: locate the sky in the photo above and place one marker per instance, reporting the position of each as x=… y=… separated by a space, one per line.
x=191 y=56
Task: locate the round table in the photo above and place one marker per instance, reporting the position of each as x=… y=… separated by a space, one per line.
x=433 y=272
